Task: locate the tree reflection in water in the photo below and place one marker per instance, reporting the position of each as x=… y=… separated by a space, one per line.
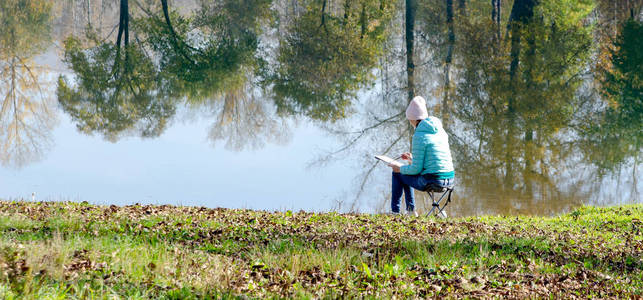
x=27 y=116
x=540 y=103
x=245 y=120
x=516 y=102
x=518 y=105
x=326 y=56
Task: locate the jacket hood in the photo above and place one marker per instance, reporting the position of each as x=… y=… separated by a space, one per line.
x=430 y=125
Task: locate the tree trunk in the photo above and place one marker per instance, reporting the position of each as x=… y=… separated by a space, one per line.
x=462 y=6
x=121 y=22
x=323 y=14
x=529 y=153
x=122 y=25
x=448 y=59
x=126 y=21
x=499 y=15
x=410 y=39
x=527 y=173
x=522 y=11
x=89 y=13
x=509 y=154
x=363 y=21
x=521 y=14
x=496 y=14
x=451 y=38
x=175 y=40
x=73 y=16
x=410 y=65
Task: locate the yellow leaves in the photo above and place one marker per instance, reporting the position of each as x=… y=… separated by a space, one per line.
x=373 y=24
x=27 y=114
x=26 y=27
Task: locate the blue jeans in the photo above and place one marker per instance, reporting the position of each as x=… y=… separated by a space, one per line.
x=405 y=183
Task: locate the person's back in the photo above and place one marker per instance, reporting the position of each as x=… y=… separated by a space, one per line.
x=431 y=153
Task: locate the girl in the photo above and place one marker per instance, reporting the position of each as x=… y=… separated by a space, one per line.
x=430 y=158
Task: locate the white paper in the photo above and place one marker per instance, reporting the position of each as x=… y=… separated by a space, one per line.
x=388 y=160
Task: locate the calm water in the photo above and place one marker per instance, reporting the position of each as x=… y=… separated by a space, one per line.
x=270 y=104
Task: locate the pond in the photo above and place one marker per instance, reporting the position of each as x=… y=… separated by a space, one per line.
x=281 y=105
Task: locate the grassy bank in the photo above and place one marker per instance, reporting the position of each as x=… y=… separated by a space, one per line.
x=74 y=250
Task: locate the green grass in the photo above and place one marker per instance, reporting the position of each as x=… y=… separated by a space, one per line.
x=74 y=250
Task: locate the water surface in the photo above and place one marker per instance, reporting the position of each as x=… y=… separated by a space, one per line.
x=269 y=104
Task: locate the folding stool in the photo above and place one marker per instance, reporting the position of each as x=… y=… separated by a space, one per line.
x=437 y=206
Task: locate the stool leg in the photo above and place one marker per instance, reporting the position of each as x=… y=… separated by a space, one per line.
x=441 y=211
x=433 y=204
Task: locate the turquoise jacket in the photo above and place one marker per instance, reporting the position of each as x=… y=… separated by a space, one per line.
x=430 y=149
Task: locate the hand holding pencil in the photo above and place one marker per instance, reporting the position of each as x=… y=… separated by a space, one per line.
x=406 y=156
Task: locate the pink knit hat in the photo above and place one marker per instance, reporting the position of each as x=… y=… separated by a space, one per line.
x=417 y=109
